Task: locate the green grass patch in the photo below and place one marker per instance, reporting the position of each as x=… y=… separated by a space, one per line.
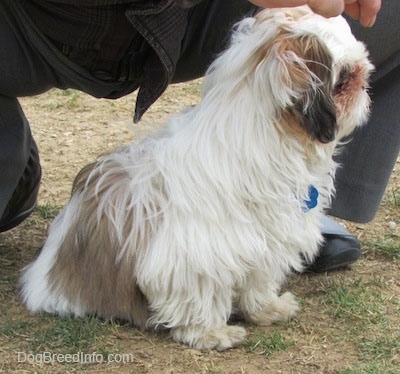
x=367 y=314
x=193 y=88
x=267 y=344
x=68 y=98
x=395 y=196
x=354 y=300
x=16 y=328
x=7 y=252
x=380 y=347
x=70 y=335
x=387 y=247
x=55 y=334
x=370 y=368
x=48 y=211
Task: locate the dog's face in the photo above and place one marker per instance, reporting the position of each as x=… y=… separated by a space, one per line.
x=320 y=72
x=309 y=72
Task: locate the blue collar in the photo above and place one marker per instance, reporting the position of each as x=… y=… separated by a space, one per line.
x=312 y=200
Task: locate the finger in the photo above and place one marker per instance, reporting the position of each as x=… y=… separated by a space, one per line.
x=353 y=10
x=368 y=11
x=327 y=8
x=363 y=10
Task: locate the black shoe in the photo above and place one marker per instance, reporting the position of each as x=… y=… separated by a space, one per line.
x=339 y=250
x=23 y=199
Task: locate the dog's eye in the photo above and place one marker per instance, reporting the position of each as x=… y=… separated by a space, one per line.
x=345 y=76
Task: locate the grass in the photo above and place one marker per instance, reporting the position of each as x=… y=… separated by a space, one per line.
x=354 y=300
x=194 y=88
x=7 y=255
x=71 y=100
x=371 y=368
x=357 y=312
x=387 y=247
x=395 y=196
x=68 y=99
x=70 y=335
x=267 y=344
x=380 y=347
x=48 y=211
x=62 y=337
x=391 y=198
x=366 y=314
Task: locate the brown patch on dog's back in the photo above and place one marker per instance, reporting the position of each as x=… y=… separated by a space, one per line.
x=87 y=270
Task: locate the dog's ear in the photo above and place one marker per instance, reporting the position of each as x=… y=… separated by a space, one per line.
x=304 y=69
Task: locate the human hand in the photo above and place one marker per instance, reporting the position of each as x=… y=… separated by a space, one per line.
x=363 y=10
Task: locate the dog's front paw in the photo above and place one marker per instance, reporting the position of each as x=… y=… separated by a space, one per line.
x=290 y=307
x=282 y=309
x=205 y=339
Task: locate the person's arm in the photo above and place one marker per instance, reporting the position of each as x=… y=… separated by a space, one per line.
x=363 y=10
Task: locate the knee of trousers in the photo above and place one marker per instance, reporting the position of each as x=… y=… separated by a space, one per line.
x=15 y=145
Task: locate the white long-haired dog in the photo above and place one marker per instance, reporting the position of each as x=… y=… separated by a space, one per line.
x=212 y=214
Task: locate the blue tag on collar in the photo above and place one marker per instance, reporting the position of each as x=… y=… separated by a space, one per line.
x=312 y=200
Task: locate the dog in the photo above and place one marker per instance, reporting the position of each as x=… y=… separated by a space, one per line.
x=213 y=213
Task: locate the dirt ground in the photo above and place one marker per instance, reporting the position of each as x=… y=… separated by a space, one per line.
x=331 y=335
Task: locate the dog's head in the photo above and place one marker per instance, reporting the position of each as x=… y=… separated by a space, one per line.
x=307 y=71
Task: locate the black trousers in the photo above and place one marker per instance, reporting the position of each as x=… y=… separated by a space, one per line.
x=30 y=65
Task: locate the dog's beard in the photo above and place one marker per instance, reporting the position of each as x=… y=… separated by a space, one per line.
x=214 y=212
